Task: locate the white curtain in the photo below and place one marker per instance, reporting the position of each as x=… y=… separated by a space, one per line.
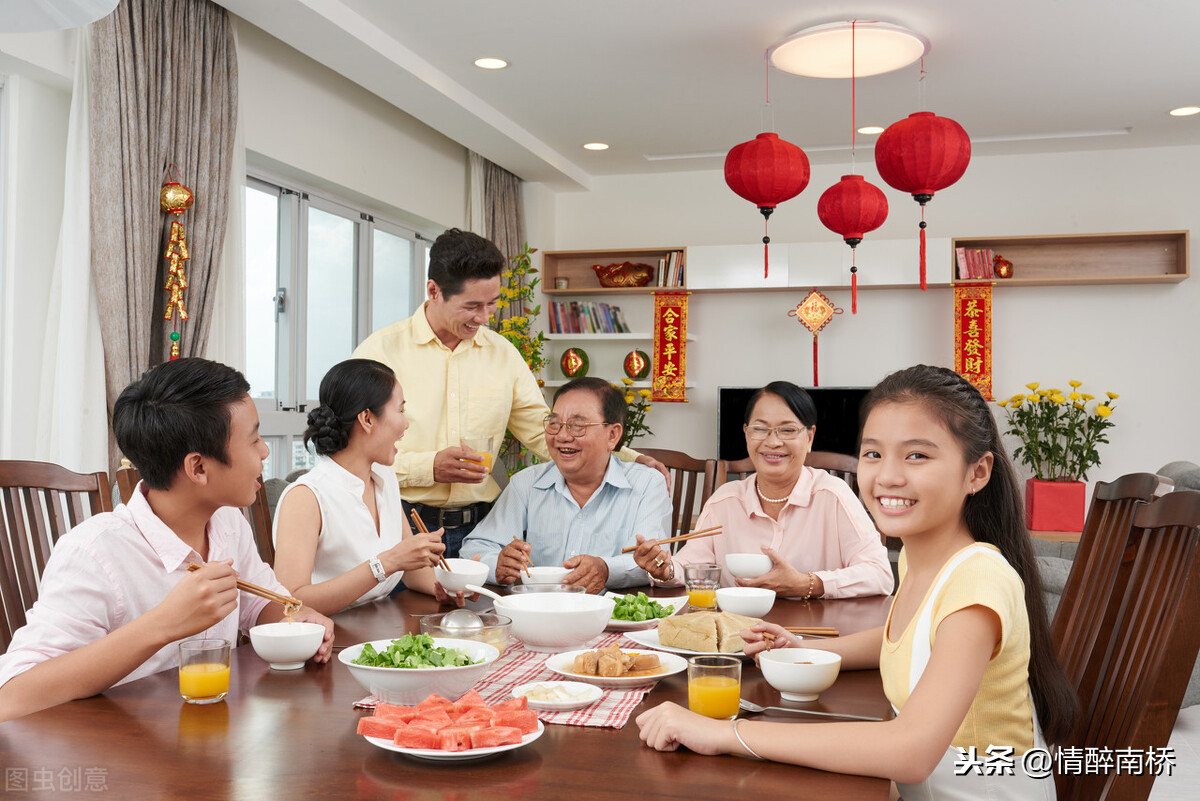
x=73 y=418
x=227 y=336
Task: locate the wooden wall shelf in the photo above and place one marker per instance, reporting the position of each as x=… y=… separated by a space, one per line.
x=1140 y=257
x=576 y=267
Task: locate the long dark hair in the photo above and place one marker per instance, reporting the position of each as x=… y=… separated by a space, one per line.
x=350 y=387
x=994 y=515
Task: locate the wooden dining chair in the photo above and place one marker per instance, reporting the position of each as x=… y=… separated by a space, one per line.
x=1099 y=572
x=841 y=465
x=1136 y=684
x=39 y=502
x=258 y=513
x=692 y=481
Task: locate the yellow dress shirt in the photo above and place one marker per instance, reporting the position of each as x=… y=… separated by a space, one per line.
x=479 y=389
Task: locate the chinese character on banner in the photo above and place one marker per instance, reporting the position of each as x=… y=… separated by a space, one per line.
x=814 y=313
x=973 y=335
x=670 y=347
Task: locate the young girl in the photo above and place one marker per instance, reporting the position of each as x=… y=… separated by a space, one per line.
x=965 y=655
x=341 y=537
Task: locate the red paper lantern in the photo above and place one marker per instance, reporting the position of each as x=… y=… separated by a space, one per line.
x=852 y=207
x=766 y=171
x=920 y=155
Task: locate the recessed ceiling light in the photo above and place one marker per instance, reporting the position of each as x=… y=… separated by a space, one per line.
x=870 y=129
x=1185 y=111
x=595 y=146
x=491 y=63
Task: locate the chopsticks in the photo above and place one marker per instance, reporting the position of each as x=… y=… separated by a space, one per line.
x=693 y=535
x=528 y=563
x=420 y=524
x=813 y=631
x=262 y=592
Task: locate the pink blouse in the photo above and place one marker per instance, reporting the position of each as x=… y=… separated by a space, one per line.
x=823 y=529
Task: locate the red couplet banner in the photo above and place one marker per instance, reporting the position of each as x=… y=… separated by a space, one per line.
x=973 y=335
x=670 y=347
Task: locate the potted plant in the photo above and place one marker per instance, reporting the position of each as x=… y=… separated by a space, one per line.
x=1059 y=436
x=637 y=406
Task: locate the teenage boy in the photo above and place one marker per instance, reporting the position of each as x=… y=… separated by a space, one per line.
x=116 y=596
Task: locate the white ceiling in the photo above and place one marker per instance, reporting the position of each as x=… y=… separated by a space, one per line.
x=687 y=77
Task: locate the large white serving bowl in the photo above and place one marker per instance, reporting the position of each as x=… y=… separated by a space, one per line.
x=410 y=686
x=544 y=574
x=286 y=646
x=800 y=682
x=462 y=572
x=747 y=565
x=556 y=621
x=748 y=601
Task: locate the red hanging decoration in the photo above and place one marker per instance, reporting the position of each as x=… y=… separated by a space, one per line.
x=921 y=155
x=852 y=207
x=766 y=171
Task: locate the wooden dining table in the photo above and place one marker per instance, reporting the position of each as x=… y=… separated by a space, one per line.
x=291 y=734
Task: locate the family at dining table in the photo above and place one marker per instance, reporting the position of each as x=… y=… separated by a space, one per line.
x=965 y=654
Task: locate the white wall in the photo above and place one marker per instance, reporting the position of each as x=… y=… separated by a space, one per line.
x=1136 y=340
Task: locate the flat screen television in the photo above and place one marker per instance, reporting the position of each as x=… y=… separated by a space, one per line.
x=837 y=419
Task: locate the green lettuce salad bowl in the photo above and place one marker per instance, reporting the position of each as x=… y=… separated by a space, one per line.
x=408 y=669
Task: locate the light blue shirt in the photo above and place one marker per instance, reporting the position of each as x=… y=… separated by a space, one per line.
x=537 y=506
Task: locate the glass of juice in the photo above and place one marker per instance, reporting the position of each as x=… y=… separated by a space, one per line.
x=714 y=686
x=702 y=582
x=203 y=670
x=482 y=447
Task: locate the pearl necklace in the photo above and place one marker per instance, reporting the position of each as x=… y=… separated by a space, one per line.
x=770 y=500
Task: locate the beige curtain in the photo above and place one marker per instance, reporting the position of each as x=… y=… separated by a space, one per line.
x=494 y=210
x=163 y=91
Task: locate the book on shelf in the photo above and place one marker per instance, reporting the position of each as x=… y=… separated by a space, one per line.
x=961 y=259
x=586 y=317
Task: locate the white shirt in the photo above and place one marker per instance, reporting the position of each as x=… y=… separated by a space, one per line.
x=115 y=567
x=347 y=537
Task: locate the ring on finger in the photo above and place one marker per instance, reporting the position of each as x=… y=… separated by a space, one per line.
x=658 y=562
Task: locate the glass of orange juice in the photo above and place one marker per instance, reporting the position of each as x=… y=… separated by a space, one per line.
x=702 y=581
x=203 y=670
x=715 y=686
x=482 y=447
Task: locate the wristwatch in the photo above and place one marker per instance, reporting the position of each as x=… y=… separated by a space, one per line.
x=377 y=569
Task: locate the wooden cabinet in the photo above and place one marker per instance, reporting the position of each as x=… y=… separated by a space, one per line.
x=1141 y=257
x=576 y=267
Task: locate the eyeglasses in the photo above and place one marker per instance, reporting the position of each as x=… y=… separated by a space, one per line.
x=785 y=433
x=553 y=425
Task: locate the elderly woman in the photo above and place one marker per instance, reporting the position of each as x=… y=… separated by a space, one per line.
x=341 y=538
x=821 y=542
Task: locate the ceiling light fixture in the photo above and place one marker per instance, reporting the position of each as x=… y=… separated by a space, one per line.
x=595 y=146
x=1185 y=111
x=868 y=130
x=824 y=51
x=491 y=63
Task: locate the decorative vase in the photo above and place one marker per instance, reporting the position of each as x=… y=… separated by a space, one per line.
x=1054 y=505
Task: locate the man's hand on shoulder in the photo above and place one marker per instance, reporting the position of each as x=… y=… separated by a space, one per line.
x=452 y=465
x=650 y=461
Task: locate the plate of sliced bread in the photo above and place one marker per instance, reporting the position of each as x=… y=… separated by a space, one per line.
x=710 y=633
x=615 y=668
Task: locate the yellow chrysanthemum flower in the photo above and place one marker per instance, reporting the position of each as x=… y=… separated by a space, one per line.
x=1002 y=403
x=1088 y=397
x=1079 y=405
x=645 y=393
x=1058 y=398
x=627 y=382
x=1076 y=384
x=1016 y=404
x=1034 y=385
x=1075 y=396
x=629 y=397
x=1045 y=393
x=1033 y=398
x=1103 y=410
x=1018 y=396
x=1112 y=395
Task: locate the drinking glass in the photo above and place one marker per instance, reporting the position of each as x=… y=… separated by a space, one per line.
x=482 y=446
x=203 y=670
x=714 y=686
x=701 y=582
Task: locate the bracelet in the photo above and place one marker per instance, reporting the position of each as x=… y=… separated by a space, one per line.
x=812 y=583
x=738 y=735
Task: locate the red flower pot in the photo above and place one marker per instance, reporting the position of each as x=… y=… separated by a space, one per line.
x=1054 y=505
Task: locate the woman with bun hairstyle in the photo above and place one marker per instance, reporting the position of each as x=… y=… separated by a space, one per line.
x=341 y=538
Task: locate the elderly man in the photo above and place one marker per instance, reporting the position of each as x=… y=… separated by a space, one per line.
x=584 y=507
x=461 y=380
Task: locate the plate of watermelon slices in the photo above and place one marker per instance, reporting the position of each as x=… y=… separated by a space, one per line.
x=439 y=730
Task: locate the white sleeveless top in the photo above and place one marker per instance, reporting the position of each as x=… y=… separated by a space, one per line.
x=348 y=537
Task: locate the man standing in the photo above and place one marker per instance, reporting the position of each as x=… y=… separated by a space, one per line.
x=461 y=380
x=581 y=510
